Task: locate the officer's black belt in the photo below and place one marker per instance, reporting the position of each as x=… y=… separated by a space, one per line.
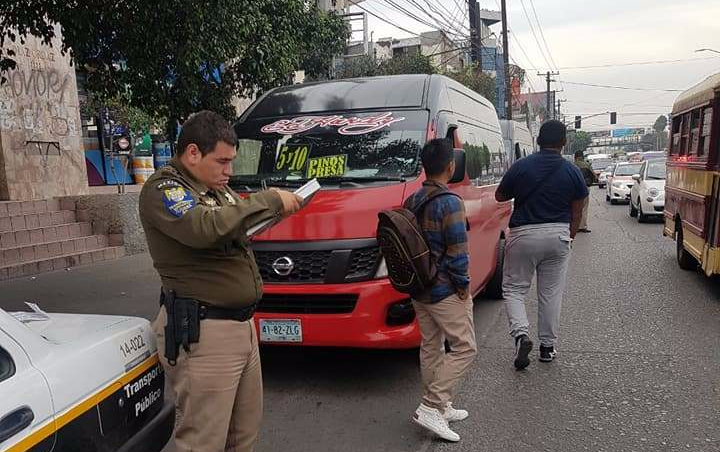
x=208 y=311
x=213 y=312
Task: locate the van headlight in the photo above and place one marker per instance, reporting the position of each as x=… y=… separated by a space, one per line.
x=653 y=192
x=382 y=271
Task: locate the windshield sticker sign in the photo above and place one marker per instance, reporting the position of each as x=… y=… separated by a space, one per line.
x=292 y=157
x=328 y=166
x=353 y=125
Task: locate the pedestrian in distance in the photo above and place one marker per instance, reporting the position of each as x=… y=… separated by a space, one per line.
x=590 y=179
x=196 y=232
x=549 y=194
x=445 y=310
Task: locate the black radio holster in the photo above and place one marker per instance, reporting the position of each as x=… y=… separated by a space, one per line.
x=183 y=324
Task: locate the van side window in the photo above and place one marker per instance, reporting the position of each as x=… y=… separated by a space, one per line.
x=483 y=164
x=474 y=157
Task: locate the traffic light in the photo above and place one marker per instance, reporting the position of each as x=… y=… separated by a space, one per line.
x=613 y=117
x=578 y=122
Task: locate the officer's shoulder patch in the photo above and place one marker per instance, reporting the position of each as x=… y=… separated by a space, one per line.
x=168 y=183
x=177 y=200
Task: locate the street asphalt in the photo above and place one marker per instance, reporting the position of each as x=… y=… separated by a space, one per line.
x=638 y=366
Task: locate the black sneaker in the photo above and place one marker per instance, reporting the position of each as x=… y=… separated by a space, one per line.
x=547 y=354
x=523 y=345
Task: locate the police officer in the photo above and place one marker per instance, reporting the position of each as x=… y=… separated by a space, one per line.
x=590 y=179
x=195 y=227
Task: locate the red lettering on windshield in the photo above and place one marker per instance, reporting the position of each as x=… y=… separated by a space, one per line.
x=353 y=125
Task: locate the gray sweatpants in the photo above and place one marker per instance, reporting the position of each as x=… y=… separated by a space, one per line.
x=545 y=249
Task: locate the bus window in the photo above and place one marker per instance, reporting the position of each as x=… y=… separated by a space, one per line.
x=694 y=148
x=685 y=134
x=704 y=146
x=675 y=135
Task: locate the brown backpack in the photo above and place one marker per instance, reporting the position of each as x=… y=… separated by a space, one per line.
x=410 y=265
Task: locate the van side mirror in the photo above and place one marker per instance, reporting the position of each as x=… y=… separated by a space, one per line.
x=636 y=177
x=459 y=175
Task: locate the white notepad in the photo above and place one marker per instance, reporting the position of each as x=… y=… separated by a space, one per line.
x=306 y=192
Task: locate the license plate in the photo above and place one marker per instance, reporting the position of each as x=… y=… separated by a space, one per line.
x=280 y=331
x=133 y=348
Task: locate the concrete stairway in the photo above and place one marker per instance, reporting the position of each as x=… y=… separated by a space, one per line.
x=43 y=236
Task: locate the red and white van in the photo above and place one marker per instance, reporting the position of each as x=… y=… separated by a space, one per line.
x=325 y=281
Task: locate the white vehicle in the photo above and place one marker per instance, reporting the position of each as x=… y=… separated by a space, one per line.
x=603 y=176
x=620 y=182
x=518 y=140
x=71 y=382
x=647 y=197
x=598 y=162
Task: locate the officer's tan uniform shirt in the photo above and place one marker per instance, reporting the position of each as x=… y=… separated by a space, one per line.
x=196 y=236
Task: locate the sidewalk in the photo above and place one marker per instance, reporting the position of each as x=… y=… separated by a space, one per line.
x=126 y=286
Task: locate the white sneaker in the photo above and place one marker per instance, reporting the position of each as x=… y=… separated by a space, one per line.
x=433 y=420
x=452 y=415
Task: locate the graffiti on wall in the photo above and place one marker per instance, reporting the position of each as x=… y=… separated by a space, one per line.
x=35 y=98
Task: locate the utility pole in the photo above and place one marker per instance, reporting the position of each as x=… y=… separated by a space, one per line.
x=557 y=112
x=475 y=34
x=506 y=62
x=549 y=104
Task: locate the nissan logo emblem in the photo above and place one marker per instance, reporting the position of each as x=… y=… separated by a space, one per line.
x=283 y=266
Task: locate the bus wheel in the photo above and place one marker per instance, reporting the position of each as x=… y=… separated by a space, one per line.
x=493 y=289
x=685 y=260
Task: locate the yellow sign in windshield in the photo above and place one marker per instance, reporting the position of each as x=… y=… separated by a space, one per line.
x=328 y=166
x=292 y=157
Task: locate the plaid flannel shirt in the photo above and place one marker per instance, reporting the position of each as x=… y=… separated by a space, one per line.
x=444 y=225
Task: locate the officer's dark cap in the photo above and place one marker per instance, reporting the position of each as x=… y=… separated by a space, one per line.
x=552 y=133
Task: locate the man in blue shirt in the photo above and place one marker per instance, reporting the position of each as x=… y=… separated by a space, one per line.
x=549 y=193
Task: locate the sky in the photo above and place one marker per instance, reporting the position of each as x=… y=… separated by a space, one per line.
x=592 y=33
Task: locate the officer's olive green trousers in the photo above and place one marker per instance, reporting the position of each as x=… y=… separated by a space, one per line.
x=218 y=387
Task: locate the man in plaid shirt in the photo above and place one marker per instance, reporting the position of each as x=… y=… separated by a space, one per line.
x=445 y=311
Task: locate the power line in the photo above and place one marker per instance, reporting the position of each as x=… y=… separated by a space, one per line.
x=542 y=34
x=547 y=47
x=532 y=29
x=451 y=20
x=387 y=21
x=624 y=87
x=615 y=103
x=435 y=26
x=620 y=112
x=639 y=63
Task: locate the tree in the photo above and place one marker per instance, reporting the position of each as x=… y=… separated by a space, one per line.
x=661 y=137
x=480 y=82
x=579 y=141
x=323 y=40
x=175 y=57
x=366 y=66
x=660 y=124
x=407 y=64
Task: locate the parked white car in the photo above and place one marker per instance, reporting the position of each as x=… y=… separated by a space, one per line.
x=620 y=182
x=647 y=197
x=603 y=176
x=71 y=382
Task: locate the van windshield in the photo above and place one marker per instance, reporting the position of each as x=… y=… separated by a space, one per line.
x=357 y=147
x=600 y=163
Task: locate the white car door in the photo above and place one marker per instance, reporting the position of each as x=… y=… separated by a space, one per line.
x=26 y=410
x=637 y=186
